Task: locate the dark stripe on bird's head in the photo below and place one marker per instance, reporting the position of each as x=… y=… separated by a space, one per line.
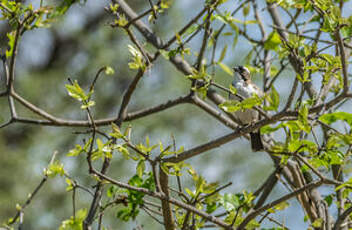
x=243 y=72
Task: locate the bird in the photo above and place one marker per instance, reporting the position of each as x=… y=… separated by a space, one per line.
x=246 y=88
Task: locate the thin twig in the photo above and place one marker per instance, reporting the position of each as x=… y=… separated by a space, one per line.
x=91 y=88
x=32 y=195
x=127 y=96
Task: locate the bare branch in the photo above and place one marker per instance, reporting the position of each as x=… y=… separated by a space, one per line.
x=11 y=75
x=344 y=61
x=91 y=88
x=292 y=95
x=127 y=96
x=213 y=112
x=158 y=108
x=166 y=206
x=268 y=186
x=184 y=29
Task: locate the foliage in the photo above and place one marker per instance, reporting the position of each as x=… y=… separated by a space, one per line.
x=304 y=66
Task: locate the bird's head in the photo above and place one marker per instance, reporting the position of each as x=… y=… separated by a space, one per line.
x=242 y=73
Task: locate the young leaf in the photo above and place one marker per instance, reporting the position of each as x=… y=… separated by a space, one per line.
x=273 y=99
x=225 y=68
x=76 y=91
x=273 y=41
x=11 y=43
x=109 y=70
x=88 y=104
x=330 y=118
x=140 y=168
x=223 y=53
x=54 y=169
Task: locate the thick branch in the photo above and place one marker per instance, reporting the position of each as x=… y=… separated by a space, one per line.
x=213 y=112
x=166 y=206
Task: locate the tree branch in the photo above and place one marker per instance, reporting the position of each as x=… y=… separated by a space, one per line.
x=342 y=218
x=169 y=199
x=166 y=206
x=296 y=192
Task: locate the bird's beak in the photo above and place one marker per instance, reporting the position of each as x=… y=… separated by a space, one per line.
x=235 y=69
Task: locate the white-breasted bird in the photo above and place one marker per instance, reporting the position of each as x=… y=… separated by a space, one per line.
x=246 y=88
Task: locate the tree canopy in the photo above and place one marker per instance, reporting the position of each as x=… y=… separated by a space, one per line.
x=118 y=114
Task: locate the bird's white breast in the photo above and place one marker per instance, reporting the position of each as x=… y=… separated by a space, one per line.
x=245 y=90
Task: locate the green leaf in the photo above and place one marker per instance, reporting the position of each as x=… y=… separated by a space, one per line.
x=247 y=22
x=248 y=58
x=273 y=42
x=190 y=193
x=210 y=187
x=274 y=100
x=211 y=207
x=223 y=53
x=88 y=104
x=114 y=7
x=230 y=201
x=11 y=43
x=116 y=131
x=230 y=106
x=76 y=91
x=63 y=7
x=250 y=102
x=165 y=4
x=225 y=68
x=109 y=70
x=191 y=29
x=122 y=149
x=329 y=199
x=282 y=206
x=140 y=168
x=104 y=150
x=330 y=118
x=121 y=21
x=303 y=123
x=111 y=191
x=69 y=185
x=165 y=54
x=269 y=129
x=233 y=89
x=317 y=223
x=135 y=198
x=55 y=168
x=137 y=59
x=76 y=151
x=74 y=223
x=293 y=145
x=246 y=9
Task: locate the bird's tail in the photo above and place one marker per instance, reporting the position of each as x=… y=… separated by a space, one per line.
x=256 y=141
